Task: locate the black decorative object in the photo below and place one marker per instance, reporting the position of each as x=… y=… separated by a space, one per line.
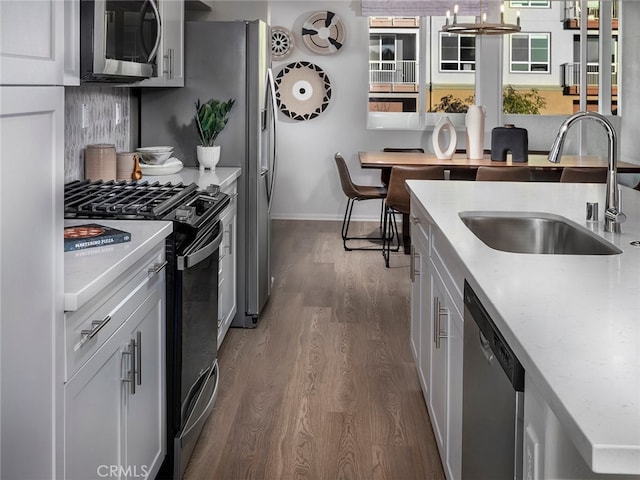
x=509 y=139
x=303 y=90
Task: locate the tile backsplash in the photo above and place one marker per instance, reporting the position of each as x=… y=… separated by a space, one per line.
x=100 y=101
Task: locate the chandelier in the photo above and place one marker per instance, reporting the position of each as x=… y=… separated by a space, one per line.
x=481 y=26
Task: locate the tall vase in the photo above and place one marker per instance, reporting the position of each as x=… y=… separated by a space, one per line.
x=208 y=157
x=474 y=121
x=443 y=131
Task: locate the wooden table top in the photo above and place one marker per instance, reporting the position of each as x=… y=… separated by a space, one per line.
x=459 y=160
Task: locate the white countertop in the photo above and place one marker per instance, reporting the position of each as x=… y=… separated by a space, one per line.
x=87 y=272
x=222 y=176
x=573 y=321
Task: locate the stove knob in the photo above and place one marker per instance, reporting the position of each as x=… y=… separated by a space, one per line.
x=184 y=214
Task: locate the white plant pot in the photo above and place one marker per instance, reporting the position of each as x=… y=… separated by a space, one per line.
x=208 y=157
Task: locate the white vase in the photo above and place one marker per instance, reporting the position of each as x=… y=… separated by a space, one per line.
x=474 y=121
x=208 y=157
x=444 y=130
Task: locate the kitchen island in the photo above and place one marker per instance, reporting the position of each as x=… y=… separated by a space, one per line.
x=572 y=320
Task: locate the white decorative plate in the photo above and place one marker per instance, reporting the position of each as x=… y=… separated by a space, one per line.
x=281 y=43
x=323 y=33
x=303 y=90
x=173 y=165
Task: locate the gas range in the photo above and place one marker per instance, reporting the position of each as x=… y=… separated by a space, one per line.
x=141 y=200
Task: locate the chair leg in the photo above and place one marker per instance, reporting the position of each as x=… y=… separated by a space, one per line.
x=346 y=221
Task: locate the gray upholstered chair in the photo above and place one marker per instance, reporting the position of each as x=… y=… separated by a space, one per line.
x=503 y=174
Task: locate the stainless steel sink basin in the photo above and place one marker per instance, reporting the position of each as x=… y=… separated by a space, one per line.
x=530 y=232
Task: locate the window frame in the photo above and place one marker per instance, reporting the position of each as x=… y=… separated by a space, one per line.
x=514 y=4
x=459 y=62
x=513 y=62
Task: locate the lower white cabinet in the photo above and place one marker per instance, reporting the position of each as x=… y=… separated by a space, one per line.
x=436 y=340
x=115 y=406
x=227 y=273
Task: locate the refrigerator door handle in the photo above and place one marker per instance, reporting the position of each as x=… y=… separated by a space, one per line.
x=270 y=98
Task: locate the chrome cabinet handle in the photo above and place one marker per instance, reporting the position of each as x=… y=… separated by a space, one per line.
x=156 y=268
x=96 y=326
x=415 y=220
x=138 y=362
x=438 y=311
x=413 y=270
x=131 y=374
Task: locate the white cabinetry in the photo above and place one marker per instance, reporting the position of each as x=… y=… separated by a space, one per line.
x=170 y=58
x=228 y=279
x=39 y=42
x=31 y=276
x=115 y=400
x=436 y=338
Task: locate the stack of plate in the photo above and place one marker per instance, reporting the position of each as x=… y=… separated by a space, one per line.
x=155 y=155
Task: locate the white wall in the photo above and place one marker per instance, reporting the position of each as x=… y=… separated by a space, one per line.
x=308 y=186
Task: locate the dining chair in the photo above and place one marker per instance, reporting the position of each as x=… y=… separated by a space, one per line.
x=583 y=175
x=356 y=193
x=398 y=201
x=503 y=174
x=385 y=173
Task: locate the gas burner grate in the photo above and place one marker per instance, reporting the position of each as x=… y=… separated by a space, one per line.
x=123 y=199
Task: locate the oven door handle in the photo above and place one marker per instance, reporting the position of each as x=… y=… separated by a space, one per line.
x=188 y=261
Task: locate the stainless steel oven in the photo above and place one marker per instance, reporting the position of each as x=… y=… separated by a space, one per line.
x=119 y=39
x=192 y=253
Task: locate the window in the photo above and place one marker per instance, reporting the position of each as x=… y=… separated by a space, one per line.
x=529 y=4
x=530 y=52
x=457 y=52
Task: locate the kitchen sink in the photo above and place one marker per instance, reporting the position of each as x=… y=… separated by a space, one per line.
x=531 y=232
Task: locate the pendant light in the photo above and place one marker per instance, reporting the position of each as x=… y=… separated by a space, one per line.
x=481 y=26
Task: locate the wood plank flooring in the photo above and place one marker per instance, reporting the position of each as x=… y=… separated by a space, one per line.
x=325 y=387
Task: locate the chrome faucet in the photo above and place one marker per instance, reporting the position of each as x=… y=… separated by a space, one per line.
x=613 y=216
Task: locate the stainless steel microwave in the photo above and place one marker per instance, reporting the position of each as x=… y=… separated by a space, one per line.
x=119 y=40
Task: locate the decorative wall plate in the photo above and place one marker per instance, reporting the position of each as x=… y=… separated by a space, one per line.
x=323 y=33
x=281 y=43
x=303 y=90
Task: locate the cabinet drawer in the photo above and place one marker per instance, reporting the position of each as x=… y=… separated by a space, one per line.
x=108 y=311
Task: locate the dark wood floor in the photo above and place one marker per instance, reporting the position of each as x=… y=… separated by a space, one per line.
x=325 y=387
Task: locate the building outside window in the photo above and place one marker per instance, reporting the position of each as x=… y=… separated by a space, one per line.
x=529 y=4
x=457 y=52
x=530 y=52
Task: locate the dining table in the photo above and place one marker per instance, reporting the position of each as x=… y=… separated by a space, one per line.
x=462 y=168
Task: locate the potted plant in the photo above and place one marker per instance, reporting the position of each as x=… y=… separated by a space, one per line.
x=211 y=118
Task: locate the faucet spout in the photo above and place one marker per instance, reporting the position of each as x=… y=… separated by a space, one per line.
x=613 y=216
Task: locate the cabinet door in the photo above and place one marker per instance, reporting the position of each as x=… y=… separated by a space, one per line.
x=453 y=463
x=145 y=438
x=31 y=42
x=31 y=276
x=227 y=293
x=439 y=355
x=420 y=309
x=170 y=59
x=94 y=413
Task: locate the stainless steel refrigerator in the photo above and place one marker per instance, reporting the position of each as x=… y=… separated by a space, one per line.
x=226 y=60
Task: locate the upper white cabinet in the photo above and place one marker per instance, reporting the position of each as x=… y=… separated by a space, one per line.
x=39 y=42
x=170 y=58
x=31 y=277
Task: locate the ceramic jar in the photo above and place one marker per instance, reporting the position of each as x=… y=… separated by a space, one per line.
x=444 y=138
x=100 y=162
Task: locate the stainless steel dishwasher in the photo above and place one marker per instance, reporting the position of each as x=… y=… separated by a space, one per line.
x=492 y=399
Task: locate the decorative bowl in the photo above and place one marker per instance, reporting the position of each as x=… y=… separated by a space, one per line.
x=155 y=155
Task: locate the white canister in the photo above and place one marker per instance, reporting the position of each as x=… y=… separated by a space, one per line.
x=474 y=121
x=443 y=131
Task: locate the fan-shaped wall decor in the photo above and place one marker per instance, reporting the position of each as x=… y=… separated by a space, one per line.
x=281 y=43
x=303 y=90
x=323 y=33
